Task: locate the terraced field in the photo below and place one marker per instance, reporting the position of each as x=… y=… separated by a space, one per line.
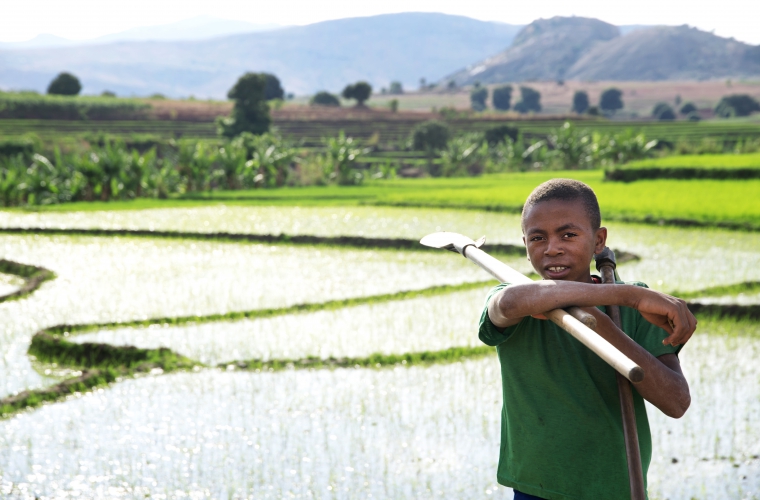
x=388 y=129
x=329 y=369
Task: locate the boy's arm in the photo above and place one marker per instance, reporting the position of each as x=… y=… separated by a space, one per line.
x=511 y=304
x=664 y=384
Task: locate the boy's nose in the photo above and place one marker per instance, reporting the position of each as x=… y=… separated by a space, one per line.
x=554 y=248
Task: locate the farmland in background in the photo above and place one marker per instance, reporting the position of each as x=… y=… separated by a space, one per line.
x=297 y=342
x=414 y=428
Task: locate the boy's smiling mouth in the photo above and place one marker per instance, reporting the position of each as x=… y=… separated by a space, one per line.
x=556 y=272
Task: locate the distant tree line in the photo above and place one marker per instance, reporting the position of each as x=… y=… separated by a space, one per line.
x=359 y=91
x=253 y=91
x=501 y=99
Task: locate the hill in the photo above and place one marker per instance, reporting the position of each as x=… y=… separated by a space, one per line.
x=587 y=49
x=668 y=53
x=544 y=50
x=326 y=55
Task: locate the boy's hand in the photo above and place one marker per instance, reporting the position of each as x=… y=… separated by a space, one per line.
x=669 y=313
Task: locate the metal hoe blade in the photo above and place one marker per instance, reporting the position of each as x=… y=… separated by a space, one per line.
x=451 y=241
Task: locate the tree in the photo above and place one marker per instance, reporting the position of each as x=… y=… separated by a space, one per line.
x=688 y=108
x=736 y=105
x=478 y=98
x=65 y=84
x=324 y=98
x=431 y=136
x=530 y=100
x=250 y=112
x=663 y=112
x=501 y=97
x=580 y=102
x=495 y=135
x=396 y=88
x=593 y=111
x=273 y=89
x=611 y=100
x=359 y=91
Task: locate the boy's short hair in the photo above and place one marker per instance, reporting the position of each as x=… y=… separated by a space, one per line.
x=566 y=190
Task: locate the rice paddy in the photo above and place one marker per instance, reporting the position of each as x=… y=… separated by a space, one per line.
x=412 y=325
x=399 y=433
x=705 y=258
x=417 y=431
x=10 y=283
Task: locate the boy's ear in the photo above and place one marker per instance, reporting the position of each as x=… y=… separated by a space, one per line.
x=527 y=253
x=600 y=240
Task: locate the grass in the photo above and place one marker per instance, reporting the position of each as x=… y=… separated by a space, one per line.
x=722 y=203
x=280 y=311
x=103 y=364
x=376 y=360
x=689 y=167
x=726 y=326
x=33 y=276
x=751 y=160
x=719 y=291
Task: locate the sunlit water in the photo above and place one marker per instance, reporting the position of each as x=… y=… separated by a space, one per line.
x=377 y=222
x=399 y=433
x=413 y=325
x=436 y=428
x=10 y=283
x=119 y=279
x=673 y=258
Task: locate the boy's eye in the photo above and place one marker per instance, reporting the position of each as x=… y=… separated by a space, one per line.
x=536 y=238
x=569 y=235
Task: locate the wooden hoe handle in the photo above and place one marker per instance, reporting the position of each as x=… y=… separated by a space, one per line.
x=605 y=264
x=574 y=321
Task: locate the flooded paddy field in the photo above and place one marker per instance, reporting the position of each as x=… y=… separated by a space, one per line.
x=394 y=433
x=672 y=258
x=121 y=279
x=404 y=432
x=412 y=325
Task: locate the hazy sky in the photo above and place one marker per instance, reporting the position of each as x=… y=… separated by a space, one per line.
x=81 y=19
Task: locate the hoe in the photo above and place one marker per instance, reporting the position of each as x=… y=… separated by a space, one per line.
x=577 y=323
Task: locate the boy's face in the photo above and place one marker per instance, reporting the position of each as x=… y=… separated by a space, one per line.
x=561 y=241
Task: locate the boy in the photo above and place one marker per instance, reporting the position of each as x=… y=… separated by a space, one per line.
x=562 y=435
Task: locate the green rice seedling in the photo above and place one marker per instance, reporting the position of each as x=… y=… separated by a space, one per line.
x=107 y=280
x=705 y=160
x=420 y=431
x=722 y=290
x=707 y=258
x=409 y=322
x=708 y=166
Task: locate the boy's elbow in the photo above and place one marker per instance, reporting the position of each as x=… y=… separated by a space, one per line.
x=678 y=406
x=503 y=304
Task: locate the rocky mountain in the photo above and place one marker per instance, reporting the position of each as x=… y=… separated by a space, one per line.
x=326 y=55
x=587 y=49
x=668 y=53
x=544 y=50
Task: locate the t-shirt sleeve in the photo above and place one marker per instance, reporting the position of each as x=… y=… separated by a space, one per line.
x=489 y=333
x=649 y=336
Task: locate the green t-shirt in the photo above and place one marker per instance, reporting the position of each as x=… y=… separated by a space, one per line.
x=561 y=430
